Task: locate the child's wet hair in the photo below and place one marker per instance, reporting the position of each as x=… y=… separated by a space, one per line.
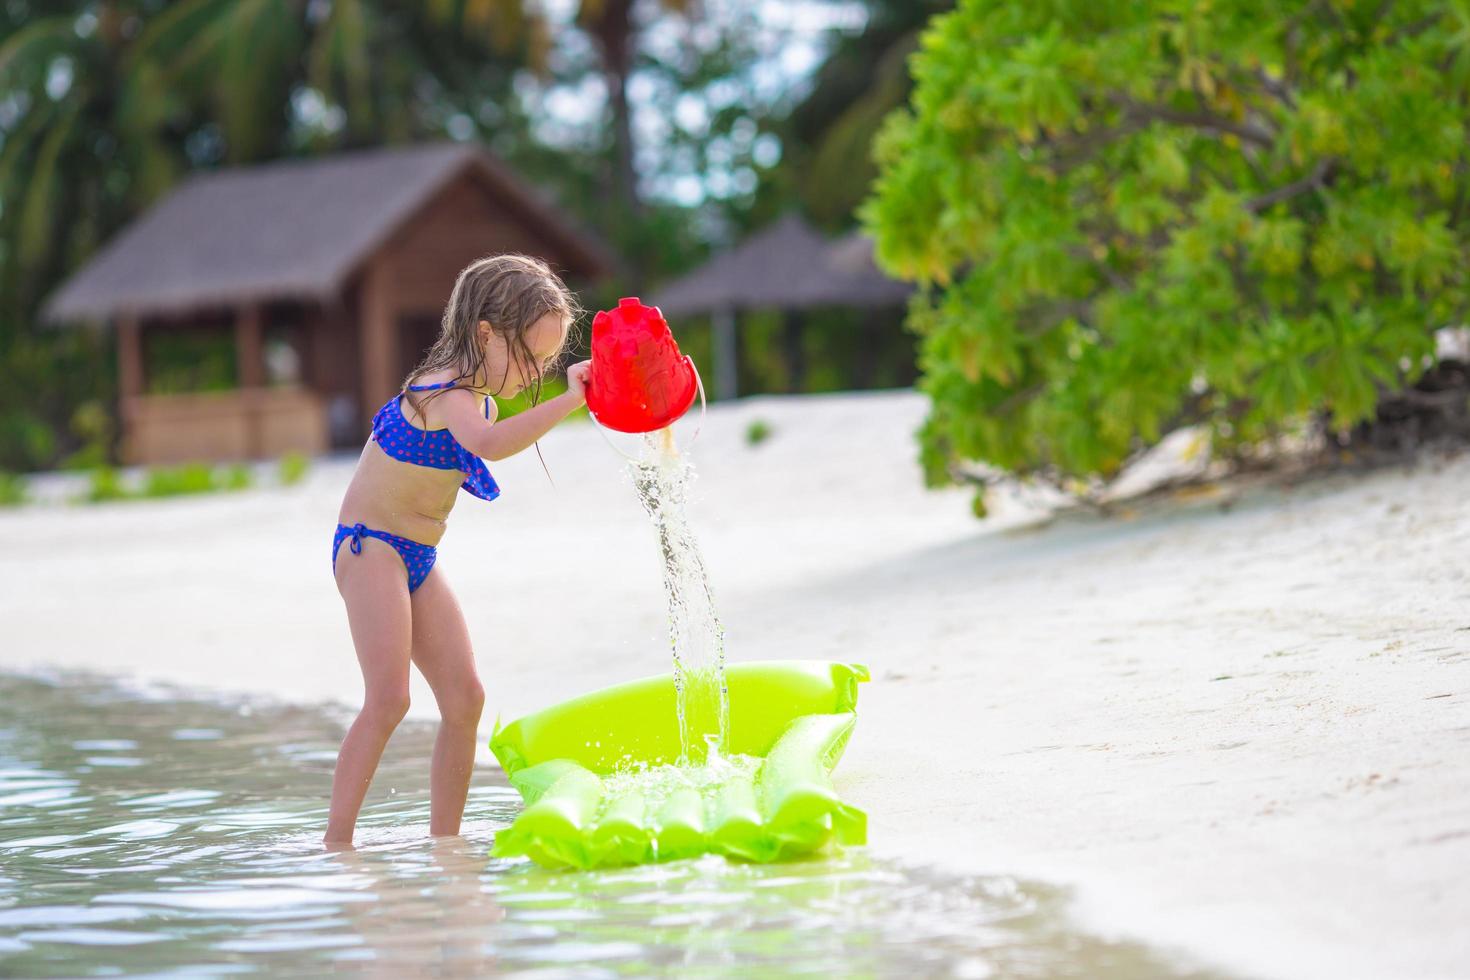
x=510 y=292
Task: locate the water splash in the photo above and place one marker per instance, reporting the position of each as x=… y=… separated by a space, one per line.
x=656 y=784
x=663 y=478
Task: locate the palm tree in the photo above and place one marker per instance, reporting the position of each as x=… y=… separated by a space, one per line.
x=610 y=25
x=829 y=166
x=102 y=111
x=85 y=138
x=247 y=57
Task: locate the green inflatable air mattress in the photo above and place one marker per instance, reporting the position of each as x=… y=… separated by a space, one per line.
x=577 y=766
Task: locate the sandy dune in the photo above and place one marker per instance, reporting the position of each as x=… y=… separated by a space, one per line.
x=1237 y=724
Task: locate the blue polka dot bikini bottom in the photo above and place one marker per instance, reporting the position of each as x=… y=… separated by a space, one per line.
x=417 y=558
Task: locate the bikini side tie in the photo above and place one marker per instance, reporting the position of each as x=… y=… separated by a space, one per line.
x=358 y=530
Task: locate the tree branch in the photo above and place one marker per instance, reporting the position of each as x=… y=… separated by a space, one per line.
x=1276 y=87
x=1101 y=265
x=1411 y=30
x=1015 y=398
x=1251 y=132
x=1243 y=285
x=1316 y=179
x=1067 y=154
x=1220 y=178
x=1414 y=398
x=1045 y=316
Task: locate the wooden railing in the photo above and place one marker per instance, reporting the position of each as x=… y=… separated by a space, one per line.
x=214 y=426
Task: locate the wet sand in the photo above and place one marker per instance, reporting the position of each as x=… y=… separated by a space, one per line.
x=1236 y=723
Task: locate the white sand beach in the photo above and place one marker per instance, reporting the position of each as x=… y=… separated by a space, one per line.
x=1236 y=723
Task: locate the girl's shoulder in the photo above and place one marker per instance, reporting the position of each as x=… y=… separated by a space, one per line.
x=438 y=377
x=424 y=401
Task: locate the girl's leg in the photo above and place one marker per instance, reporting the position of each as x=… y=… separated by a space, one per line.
x=374 y=586
x=441 y=650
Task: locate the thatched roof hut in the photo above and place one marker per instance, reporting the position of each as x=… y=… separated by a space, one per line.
x=293 y=230
x=346 y=260
x=788 y=266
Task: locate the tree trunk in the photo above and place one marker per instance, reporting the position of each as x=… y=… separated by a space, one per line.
x=869 y=341
x=791 y=330
x=725 y=346
x=612 y=27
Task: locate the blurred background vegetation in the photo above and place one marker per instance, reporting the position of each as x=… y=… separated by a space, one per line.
x=668 y=127
x=1123 y=218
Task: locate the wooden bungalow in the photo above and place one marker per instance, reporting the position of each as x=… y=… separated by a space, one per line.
x=323 y=281
x=789 y=267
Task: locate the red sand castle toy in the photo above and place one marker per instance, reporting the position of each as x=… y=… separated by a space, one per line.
x=639 y=381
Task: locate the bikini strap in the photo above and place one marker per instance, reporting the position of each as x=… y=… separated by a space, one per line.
x=445 y=384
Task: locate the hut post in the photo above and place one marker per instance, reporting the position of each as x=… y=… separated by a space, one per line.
x=868 y=347
x=249 y=352
x=792 y=341
x=130 y=379
x=378 y=335
x=129 y=357
x=727 y=352
x=250 y=373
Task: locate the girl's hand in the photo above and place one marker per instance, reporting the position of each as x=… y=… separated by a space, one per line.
x=577 y=376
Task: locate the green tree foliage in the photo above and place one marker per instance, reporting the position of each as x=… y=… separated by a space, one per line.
x=1130 y=217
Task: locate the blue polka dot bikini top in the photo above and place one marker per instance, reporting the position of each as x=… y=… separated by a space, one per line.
x=431 y=447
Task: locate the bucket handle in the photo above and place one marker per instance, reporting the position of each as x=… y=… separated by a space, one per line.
x=703 y=411
x=703 y=407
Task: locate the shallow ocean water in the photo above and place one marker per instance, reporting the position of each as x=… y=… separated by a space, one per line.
x=149 y=833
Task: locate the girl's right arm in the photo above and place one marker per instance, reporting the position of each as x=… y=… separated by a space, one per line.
x=495 y=440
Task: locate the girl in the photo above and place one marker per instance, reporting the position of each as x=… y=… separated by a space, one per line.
x=506 y=323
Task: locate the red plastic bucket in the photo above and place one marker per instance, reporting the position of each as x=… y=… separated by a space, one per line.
x=639 y=382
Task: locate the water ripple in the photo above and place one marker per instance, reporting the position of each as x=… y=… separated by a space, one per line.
x=201 y=856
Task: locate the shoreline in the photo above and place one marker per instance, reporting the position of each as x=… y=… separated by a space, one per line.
x=1201 y=720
